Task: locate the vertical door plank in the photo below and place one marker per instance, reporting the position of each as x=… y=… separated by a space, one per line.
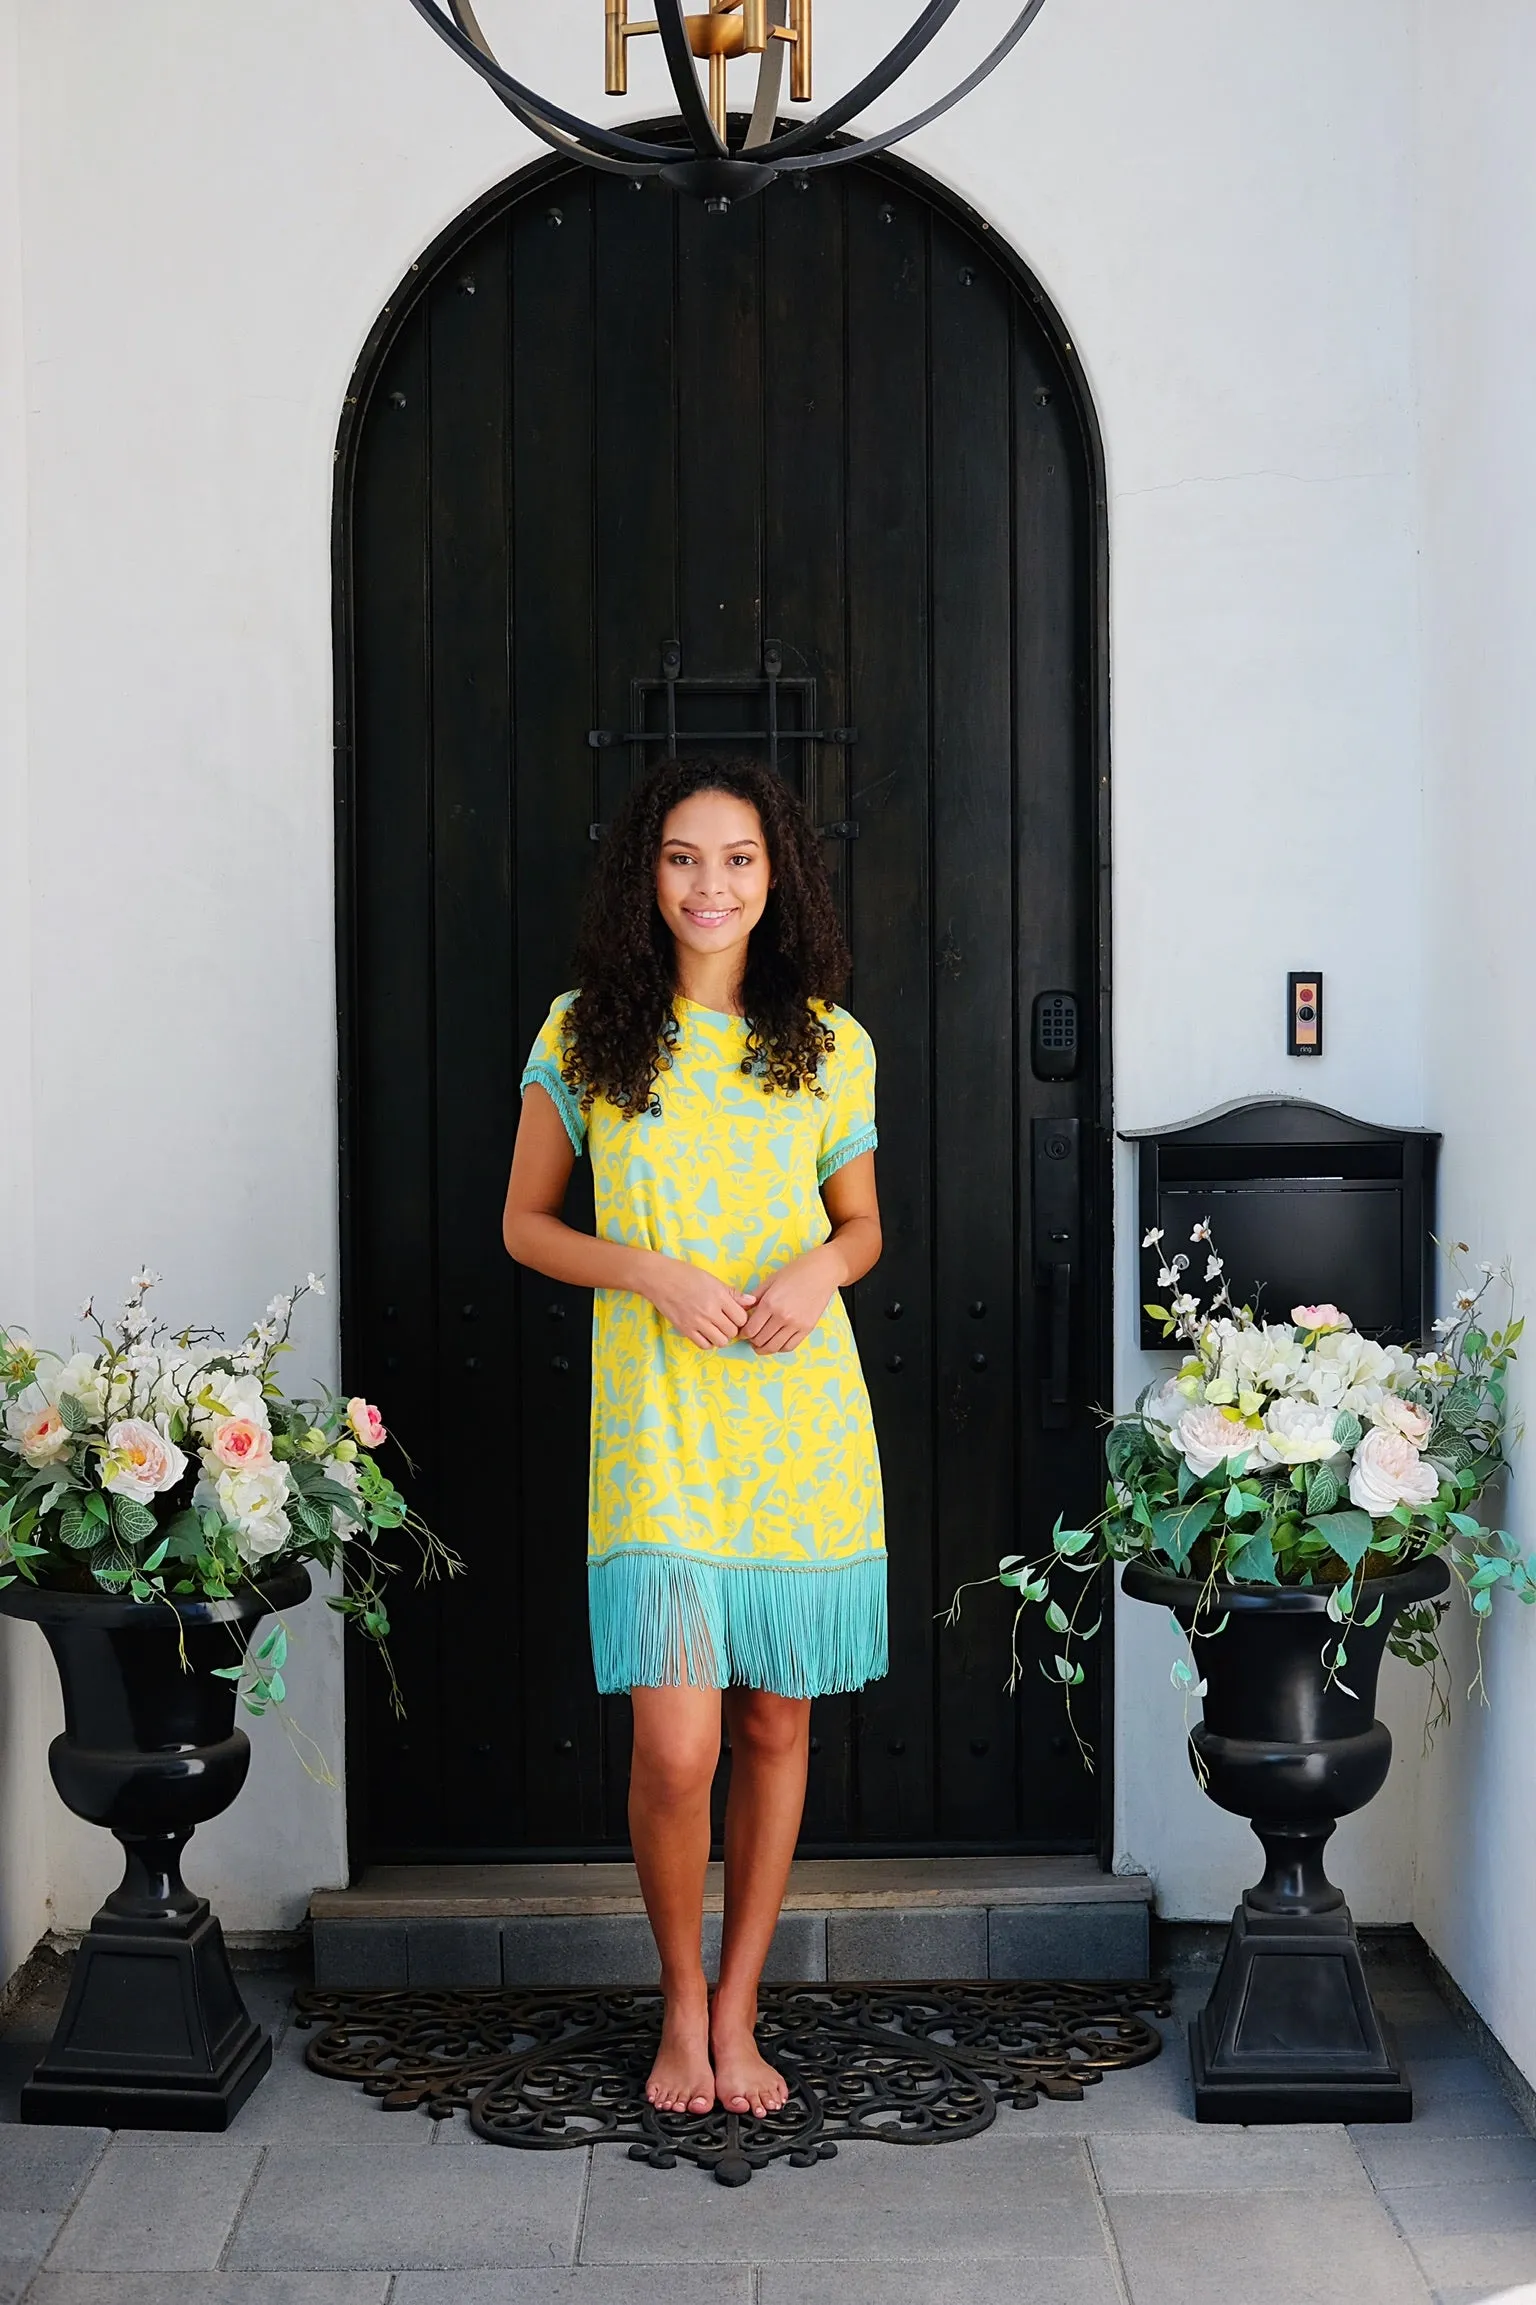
x=804 y=595
x=719 y=438
x=635 y=552
x=1054 y=820
x=889 y=797
x=974 y=1044
x=392 y=1308
x=552 y=625
x=475 y=1024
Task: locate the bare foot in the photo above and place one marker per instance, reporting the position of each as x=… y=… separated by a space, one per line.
x=744 y=2080
x=682 y=2079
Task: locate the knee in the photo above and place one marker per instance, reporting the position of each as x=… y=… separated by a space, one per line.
x=675 y=1771
x=769 y=1728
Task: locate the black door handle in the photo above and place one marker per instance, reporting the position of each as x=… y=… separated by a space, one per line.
x=1057 y=1216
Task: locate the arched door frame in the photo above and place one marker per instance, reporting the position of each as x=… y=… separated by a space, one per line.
x=1098 y=1176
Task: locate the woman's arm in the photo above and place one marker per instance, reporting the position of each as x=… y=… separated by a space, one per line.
x=789 y=1306
x=698 y=1305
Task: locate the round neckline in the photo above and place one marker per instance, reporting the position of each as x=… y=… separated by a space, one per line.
x=725 y=1015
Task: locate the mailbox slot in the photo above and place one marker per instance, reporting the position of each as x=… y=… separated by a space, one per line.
x=1307 y=1205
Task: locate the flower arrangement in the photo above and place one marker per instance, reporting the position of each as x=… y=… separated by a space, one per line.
x=159 y=1465
x=1299 y=1453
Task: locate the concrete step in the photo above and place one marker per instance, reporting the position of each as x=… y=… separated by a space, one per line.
x=844 y=1921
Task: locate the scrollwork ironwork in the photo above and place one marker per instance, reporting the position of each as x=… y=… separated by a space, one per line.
x=901 y=2064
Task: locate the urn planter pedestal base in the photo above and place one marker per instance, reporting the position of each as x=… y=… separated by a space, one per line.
x=154 y=2034
x=1289 y=2032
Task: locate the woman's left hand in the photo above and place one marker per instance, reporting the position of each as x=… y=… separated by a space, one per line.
x=789 y=1306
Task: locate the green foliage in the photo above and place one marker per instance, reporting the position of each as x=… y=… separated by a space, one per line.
x=327 y=1500
x=1256 y=1519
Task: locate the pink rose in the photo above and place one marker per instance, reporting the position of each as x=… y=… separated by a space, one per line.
x=40 y=1436
x=140 y=1462
x=241 y=1444
x=366 y=1422
x=1389 y=1471
x=1402 y=1417
x=1320 y=1317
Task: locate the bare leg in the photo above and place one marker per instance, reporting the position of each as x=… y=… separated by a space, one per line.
x=770 y=1746
x=677 y=1744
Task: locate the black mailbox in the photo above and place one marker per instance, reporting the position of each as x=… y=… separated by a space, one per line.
x=1307 y=1206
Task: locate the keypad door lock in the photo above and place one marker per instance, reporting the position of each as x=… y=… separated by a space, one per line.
x=1053 y=1037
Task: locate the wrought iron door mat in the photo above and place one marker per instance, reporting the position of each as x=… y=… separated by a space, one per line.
x=899 y=2064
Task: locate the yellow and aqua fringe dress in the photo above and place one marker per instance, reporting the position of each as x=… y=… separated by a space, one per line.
x=736 y=1534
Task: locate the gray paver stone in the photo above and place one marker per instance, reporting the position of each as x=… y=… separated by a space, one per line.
x=594 y=1949
x=1048 y=2281
x=360 y=1953
x=1067 y=1940
x=1280 y=2248
x=210 y=2289
x=1436 y=2212
x=1270 y=2160
x=45 y=2168
x=582 y=2285
x=1408 y=2157
x=395 y=2207
x=155 y=2208
x=26 y=2233
x=798 y=1954
x=989 y=2198
x=1482 y=2264
x=893 y=1945
x=453 y=1952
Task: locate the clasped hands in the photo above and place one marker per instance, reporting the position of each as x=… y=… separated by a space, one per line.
x=773 y=1319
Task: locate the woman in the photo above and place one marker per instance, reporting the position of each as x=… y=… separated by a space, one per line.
x=736 y=1542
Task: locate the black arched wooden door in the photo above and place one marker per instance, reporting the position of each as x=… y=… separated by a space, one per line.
x=817 y=474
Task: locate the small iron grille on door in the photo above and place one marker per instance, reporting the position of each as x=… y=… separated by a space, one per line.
x=773 y=714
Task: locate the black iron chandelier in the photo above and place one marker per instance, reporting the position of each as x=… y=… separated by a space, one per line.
x=701 y=158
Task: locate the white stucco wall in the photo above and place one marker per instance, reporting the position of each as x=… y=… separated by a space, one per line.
x=24 y=1791
x=217 y=203
x=1477 y=325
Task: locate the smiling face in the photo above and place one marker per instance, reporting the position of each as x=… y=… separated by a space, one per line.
x=713 y=874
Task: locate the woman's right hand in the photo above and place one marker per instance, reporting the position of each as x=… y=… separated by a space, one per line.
x=700 y=1307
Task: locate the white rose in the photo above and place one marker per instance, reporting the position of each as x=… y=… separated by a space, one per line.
x=140 y=1461
x=1389 y=1471
x=215 y=1394
x=81 y=1377
x=1297 y=1433
x=39 y=1434
x=1206 y=1438
x=252 y=1503
x=1399 y=1416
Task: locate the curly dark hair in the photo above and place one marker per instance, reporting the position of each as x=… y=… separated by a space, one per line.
x=621 y=1027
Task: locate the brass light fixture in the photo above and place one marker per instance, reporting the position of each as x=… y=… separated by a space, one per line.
x=701 y=158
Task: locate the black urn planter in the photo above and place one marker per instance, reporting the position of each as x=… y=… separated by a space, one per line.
x=154 y=2034
x=1289 y=2032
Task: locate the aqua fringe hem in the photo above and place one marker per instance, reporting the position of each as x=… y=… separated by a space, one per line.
x=663 y=1621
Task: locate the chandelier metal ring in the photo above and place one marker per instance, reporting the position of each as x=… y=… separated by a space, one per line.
x=707 y=164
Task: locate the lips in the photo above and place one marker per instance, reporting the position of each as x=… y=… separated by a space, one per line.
x=709 y=919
